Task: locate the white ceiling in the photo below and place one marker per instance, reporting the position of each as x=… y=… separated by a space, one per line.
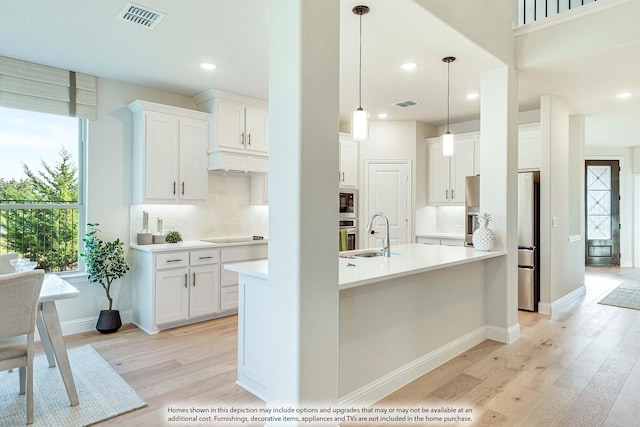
x=233 y=34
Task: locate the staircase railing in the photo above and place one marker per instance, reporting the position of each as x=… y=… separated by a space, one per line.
x=531 y=10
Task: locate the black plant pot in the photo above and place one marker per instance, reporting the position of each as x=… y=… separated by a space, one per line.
x=108 y=321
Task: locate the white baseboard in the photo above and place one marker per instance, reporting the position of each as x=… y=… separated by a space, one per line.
x=86 y=324
x=503 y=335
x=544 y=308
x=573 y=296
x=391 y=382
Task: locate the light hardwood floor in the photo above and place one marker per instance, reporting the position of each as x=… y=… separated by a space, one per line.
x=580 y=367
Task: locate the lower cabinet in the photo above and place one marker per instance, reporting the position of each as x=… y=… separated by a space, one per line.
x=438 y=241
x=229 y=279
x=174 y=288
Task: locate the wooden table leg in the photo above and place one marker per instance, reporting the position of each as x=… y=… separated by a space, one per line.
x=52 y=324
x=44 y=338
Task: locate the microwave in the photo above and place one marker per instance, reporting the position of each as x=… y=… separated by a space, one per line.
x=348 y=203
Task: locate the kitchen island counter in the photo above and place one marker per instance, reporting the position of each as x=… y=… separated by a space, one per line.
x=405 y=260
x=413 y=311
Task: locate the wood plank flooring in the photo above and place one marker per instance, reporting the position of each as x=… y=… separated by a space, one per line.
x=580 y=367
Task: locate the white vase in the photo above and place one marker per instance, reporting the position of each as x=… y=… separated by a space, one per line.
x=483 y=239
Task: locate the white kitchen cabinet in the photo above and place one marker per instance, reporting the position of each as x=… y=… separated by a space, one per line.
x=260 y=189
x=440 y=241
x=447 y=174
x=529 y=147
x=229 y=279
x=242 y=127
x=173 y=288
x=348 y=173
x=169 y=153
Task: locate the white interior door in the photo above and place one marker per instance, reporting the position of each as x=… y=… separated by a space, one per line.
x=388 y=190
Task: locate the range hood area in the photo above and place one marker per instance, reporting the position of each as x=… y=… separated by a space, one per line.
x=239 y=131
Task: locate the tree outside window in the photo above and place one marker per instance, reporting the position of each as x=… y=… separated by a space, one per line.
x=39 y=188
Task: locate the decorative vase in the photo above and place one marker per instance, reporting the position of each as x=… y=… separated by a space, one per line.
x=483 y=238
x=109 y=321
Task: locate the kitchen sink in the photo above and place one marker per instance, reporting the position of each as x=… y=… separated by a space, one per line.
x=367 y=254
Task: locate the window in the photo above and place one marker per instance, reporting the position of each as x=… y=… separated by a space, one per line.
x=41 y=182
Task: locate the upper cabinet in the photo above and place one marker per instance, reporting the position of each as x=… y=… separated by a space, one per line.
x=242 y=127
x=529 y=148
x=240 y=130
x=169 y=153
x=446 y=174
x=348 y=173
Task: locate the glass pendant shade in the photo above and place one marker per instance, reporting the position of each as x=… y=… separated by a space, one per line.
x=448 y=142
x=360 y=125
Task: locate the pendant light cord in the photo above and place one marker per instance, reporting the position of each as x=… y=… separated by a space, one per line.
x=448 y=64
x=360 y=69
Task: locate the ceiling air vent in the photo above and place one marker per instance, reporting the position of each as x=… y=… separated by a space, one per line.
x=404 y=104
x=140 y=15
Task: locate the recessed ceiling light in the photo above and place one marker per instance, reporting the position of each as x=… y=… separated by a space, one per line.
x=409 y=66
x=208 y=66
x=473 y=95
x=383 y=115
x=624 y=95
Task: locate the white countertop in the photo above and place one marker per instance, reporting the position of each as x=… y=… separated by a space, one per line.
x=410 y=259
x=193 y=244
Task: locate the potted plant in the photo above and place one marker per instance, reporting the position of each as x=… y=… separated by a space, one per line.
x=173 y=237
x=105 y=263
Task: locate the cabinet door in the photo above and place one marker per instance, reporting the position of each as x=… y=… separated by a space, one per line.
x=257 y=130
x=439 y=191
x=172 y=295
x=194 y=140
x=230 y=125
x=260 y=189
x=161 y=152
x=348 y=163
x=462 y=165
x=204 y=295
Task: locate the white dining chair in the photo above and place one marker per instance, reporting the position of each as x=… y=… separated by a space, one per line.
x=19 y=293
x=5 y=265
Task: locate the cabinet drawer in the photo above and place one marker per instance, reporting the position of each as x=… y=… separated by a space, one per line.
x=229 y=298
x=428 y=240
x=172 y=259
x=229 y=278
x=208 y=256
x=452 y=242
x=244 y=253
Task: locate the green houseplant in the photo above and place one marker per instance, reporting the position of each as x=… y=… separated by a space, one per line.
x=105 y=263
x=173 y=237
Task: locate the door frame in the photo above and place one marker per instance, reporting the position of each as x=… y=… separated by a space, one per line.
x=622 y=216
x=364 y=200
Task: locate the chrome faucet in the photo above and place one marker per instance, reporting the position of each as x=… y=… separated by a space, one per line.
x=386 y=242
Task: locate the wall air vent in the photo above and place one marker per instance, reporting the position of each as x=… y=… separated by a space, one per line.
x=405 y=104
x=140 y=15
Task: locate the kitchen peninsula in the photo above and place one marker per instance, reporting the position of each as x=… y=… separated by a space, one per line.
x=399 y=316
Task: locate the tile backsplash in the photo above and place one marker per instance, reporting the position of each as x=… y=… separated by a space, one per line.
x=226 y=213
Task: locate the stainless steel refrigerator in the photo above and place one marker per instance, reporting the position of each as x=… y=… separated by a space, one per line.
x=528 y=240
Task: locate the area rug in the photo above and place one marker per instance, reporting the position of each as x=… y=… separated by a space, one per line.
x=102 y=393
x=626 y=295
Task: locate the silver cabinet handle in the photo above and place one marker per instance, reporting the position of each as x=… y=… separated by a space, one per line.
x=183 y=188
x=174 y=188
x=242 y=138
x=205 y=257
x=173 y=260
x=452 y=196
x=342 y=176
x=446 y=196
x=185 y=279
x=249 y=138
x=194 y=280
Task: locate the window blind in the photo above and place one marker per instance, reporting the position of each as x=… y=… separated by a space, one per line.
x=28 y=86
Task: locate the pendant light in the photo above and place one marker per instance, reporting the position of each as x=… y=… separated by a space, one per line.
x=360 y=118
x=448 y=139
